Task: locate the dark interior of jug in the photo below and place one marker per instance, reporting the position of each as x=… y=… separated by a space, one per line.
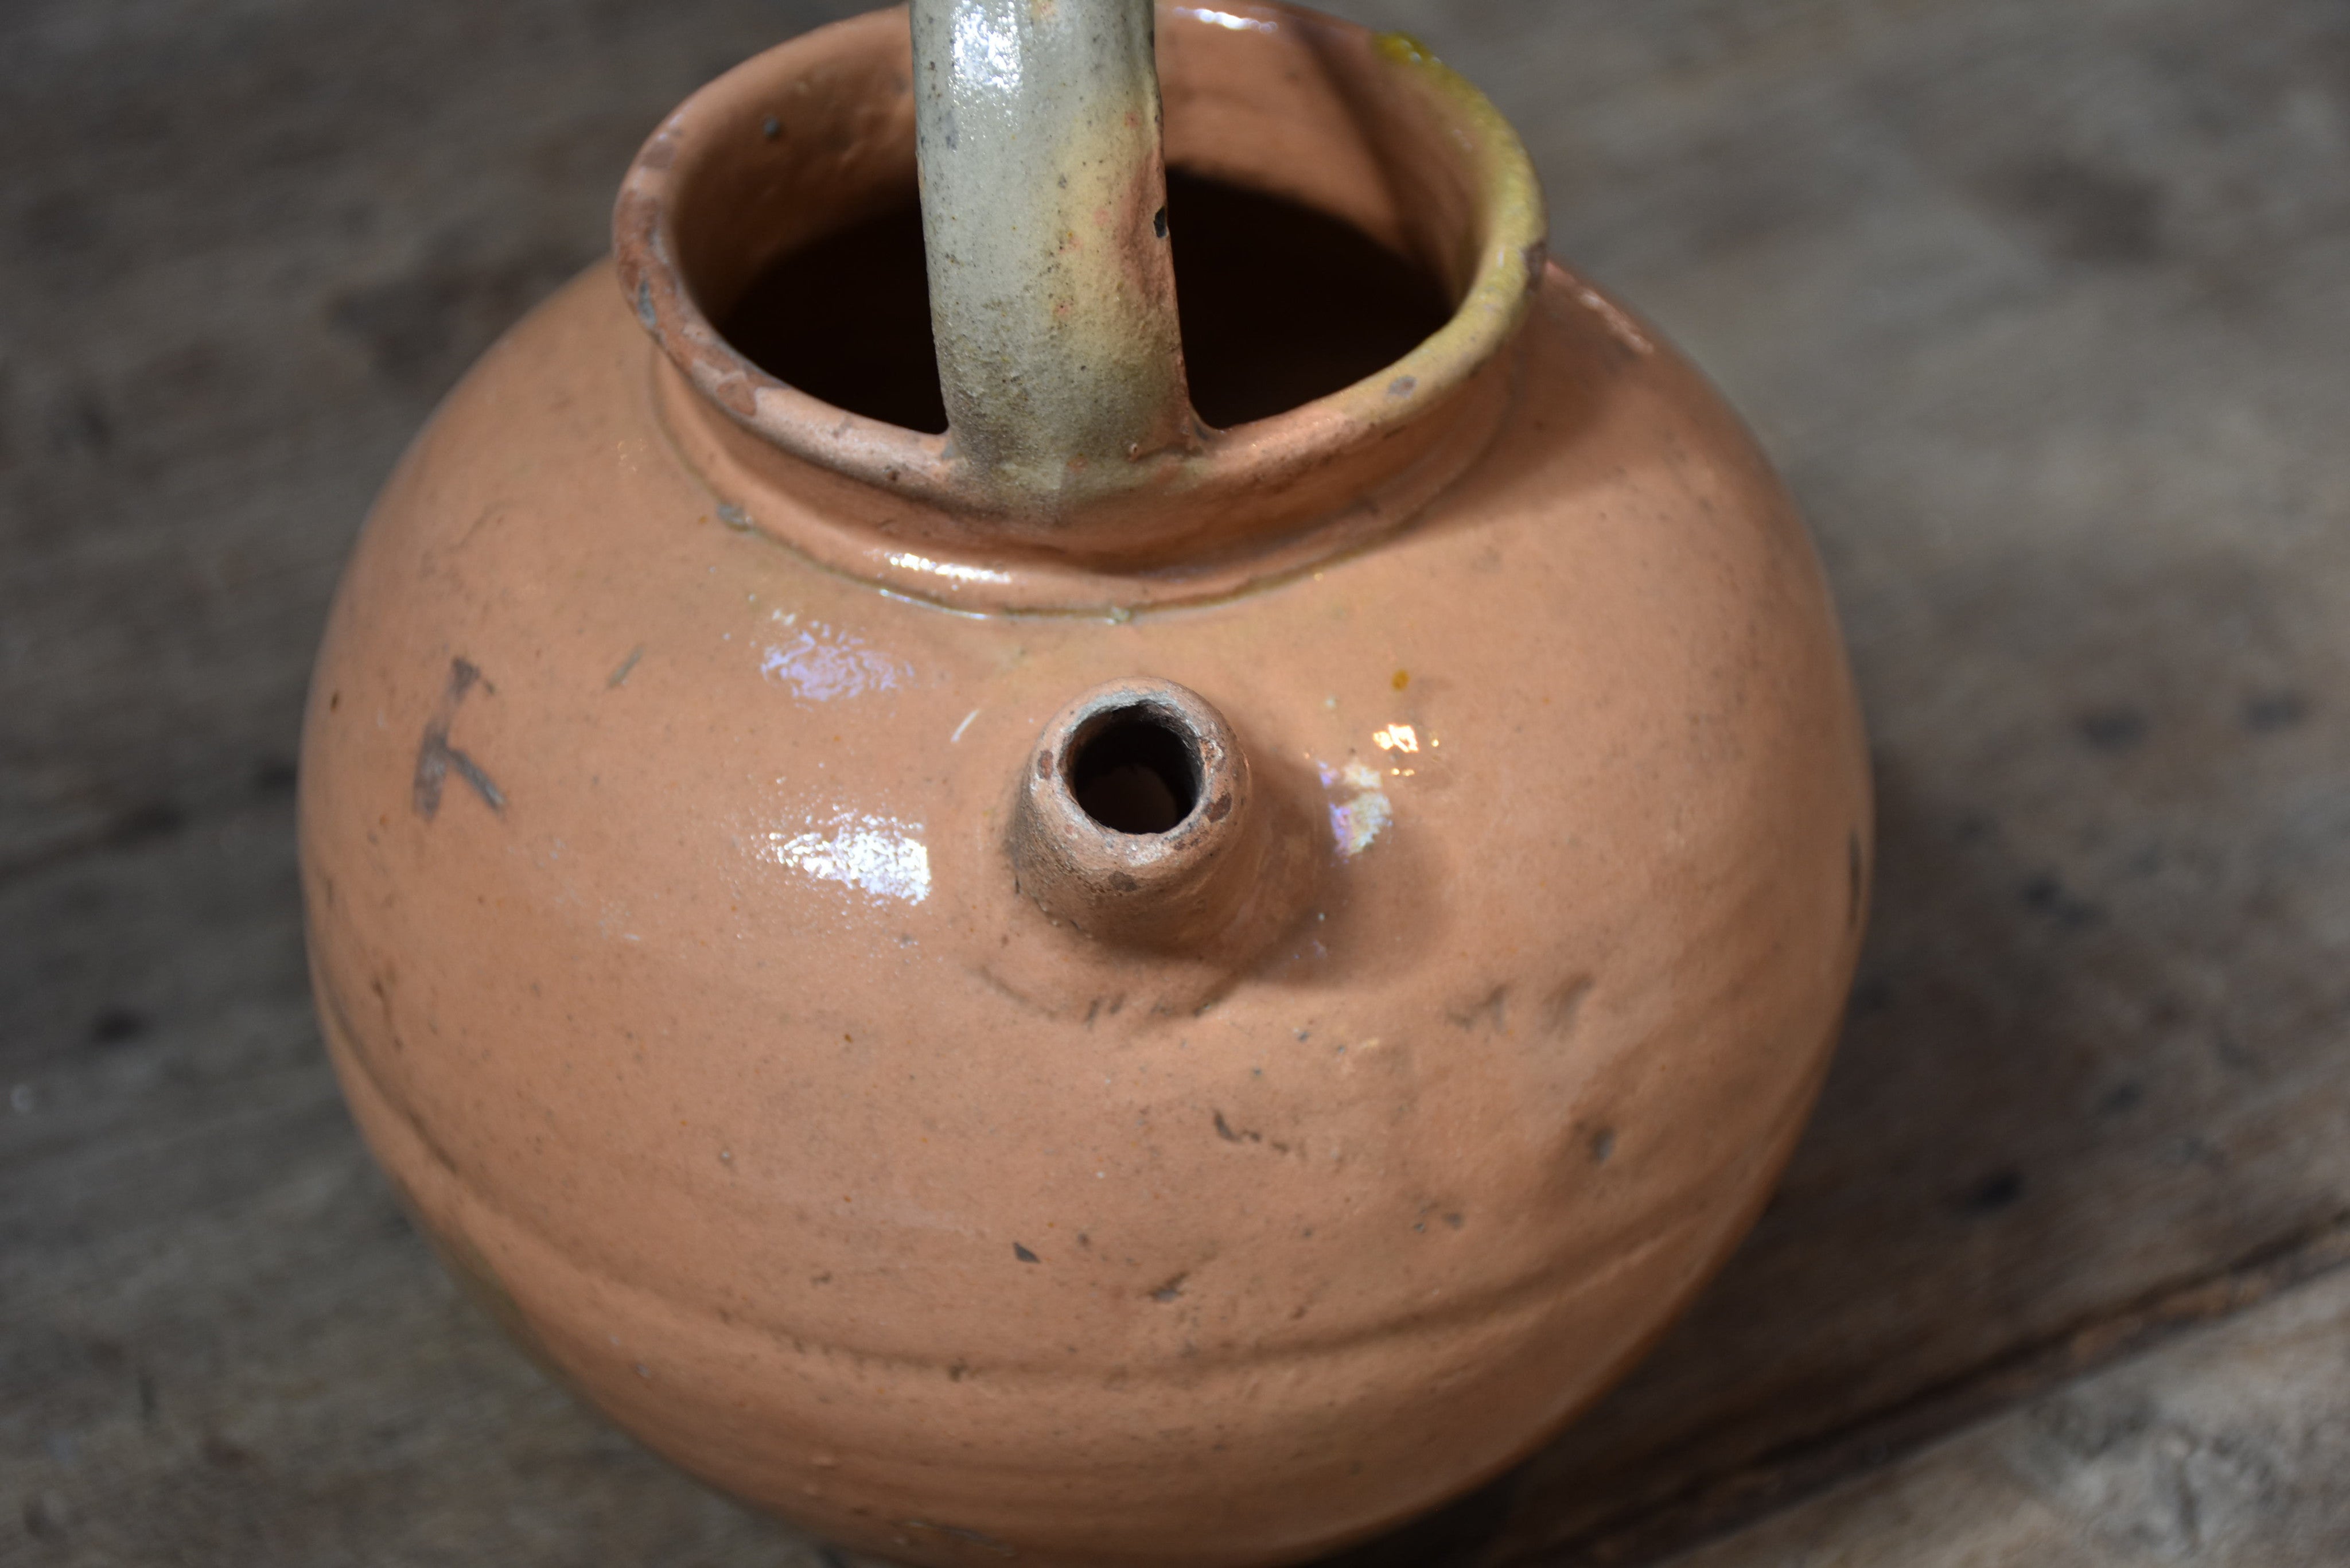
x=1280 y=305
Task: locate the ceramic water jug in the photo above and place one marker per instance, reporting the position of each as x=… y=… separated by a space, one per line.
x=1081 y=827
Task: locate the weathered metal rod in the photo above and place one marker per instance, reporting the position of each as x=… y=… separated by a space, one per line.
x=1045 y=217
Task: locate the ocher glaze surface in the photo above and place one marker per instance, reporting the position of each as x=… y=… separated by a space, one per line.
x=669 y=951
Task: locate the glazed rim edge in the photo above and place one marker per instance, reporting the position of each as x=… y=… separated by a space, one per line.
x=1403 y=433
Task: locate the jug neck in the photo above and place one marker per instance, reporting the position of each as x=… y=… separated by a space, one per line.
x=820 y=134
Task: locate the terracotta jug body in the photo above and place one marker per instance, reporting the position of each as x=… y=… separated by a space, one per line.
x=1107 y=984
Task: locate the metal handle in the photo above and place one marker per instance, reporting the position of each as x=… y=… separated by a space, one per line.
x=1045 y=217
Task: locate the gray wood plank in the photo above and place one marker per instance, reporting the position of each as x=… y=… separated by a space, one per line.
x=2225 y=1449
x=2043 y=309
x=247 y=248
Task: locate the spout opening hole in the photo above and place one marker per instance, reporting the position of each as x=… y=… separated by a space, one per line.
x=1135 y=771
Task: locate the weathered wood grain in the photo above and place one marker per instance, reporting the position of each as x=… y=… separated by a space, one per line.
x=2045 y=311
x=2225 y=1449
x=247 y=248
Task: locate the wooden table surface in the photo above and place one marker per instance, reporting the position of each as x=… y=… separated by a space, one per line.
x=2043 y=308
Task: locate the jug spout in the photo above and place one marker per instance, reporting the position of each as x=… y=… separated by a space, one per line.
x=1139 y=822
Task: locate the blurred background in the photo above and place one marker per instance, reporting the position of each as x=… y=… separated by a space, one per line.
x=2043 y=309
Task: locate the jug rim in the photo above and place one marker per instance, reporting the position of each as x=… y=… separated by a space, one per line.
x=1414 y=156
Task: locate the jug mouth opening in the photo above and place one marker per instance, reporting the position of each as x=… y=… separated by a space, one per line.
x=1365 y=234
x=1280 y=304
